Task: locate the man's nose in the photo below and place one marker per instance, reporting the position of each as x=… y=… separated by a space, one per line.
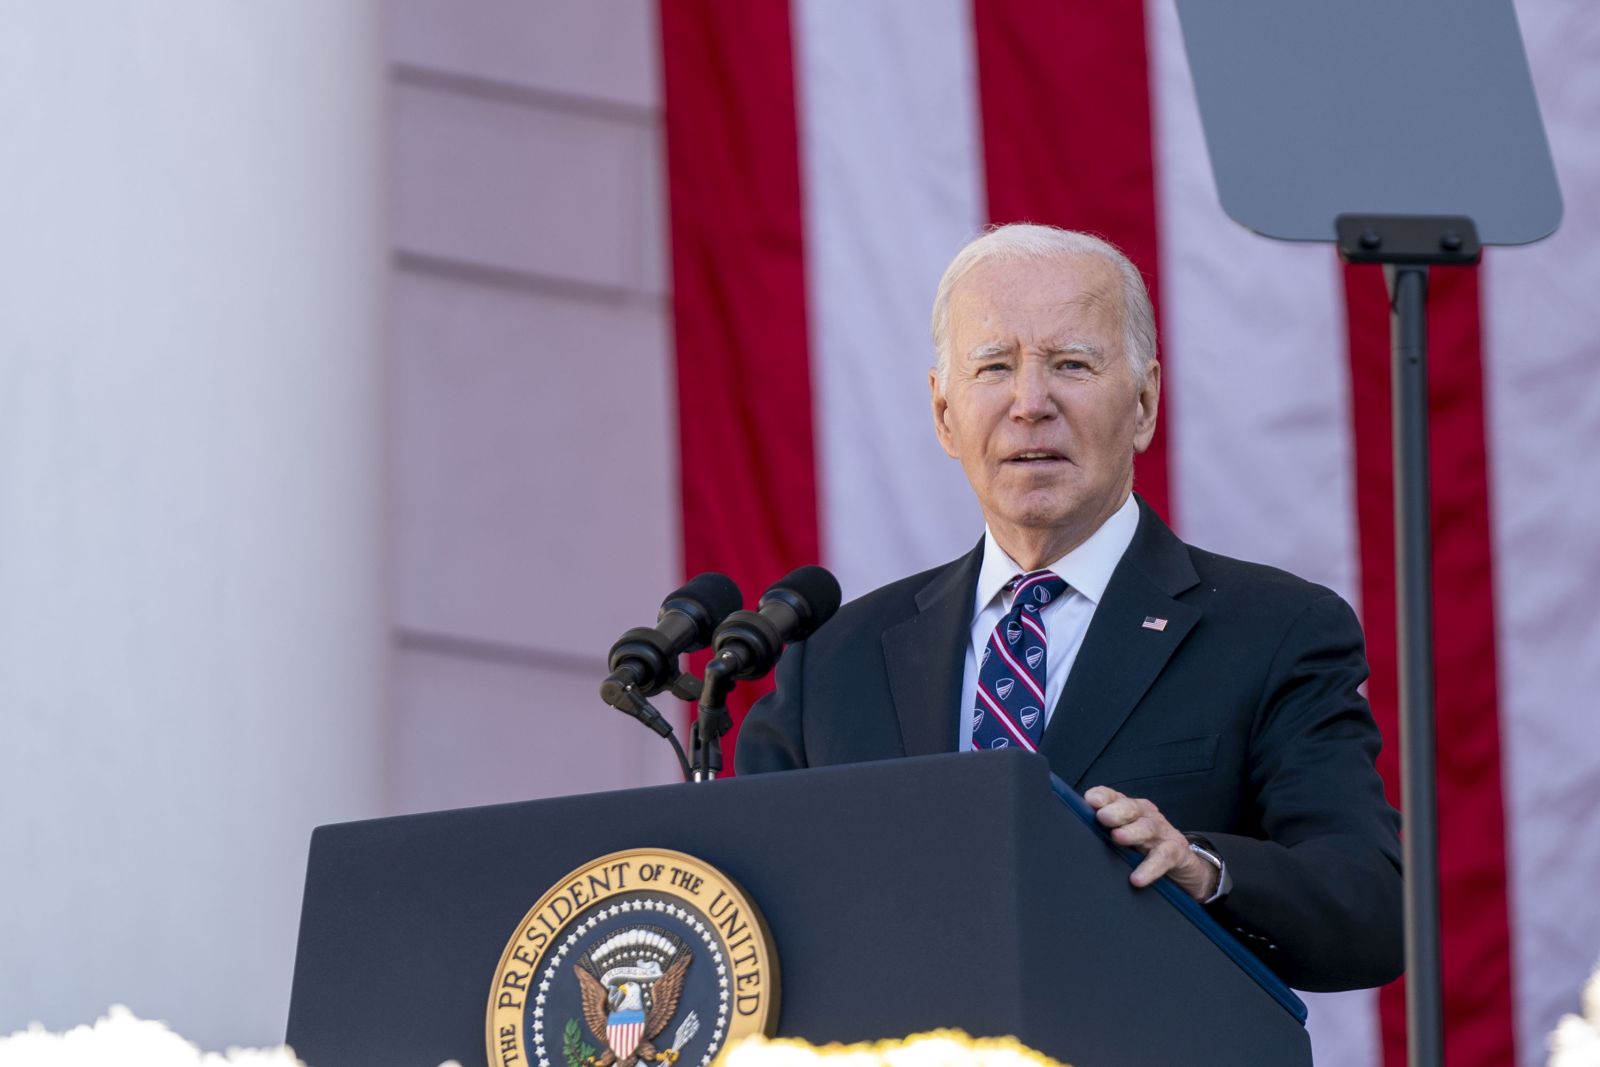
x=1030 y=398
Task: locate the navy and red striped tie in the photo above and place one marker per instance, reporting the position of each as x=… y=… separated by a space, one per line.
x=1009 y=708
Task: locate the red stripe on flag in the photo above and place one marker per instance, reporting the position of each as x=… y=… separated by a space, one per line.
x=1476 y=944
x=746 y=467
x=1064 y=98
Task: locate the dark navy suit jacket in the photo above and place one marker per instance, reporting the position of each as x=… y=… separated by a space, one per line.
x=1241 y=720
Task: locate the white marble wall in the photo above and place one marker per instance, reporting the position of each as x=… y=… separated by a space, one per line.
x=335 y=449
x=533 y=512
x=192 y=611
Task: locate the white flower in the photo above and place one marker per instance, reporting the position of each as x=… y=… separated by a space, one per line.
x=942 y=1048
x=123 y=1040
x=1576 y=1042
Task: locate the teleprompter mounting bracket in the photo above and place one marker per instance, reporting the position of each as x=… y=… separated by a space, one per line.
x=1446 y=240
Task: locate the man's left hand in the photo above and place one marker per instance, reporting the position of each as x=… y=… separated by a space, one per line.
x=1137 y=823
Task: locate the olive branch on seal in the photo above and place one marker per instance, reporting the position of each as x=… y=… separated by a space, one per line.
x=574 y=1049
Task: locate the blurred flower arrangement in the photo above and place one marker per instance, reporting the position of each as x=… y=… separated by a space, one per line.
x=120 y=1039
x=940 y=1048
x=1576 y=1041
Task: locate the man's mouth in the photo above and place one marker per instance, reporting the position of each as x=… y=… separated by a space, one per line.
x=1036 y=456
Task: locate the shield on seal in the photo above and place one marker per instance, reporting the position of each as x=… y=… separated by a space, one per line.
x=623 y=1031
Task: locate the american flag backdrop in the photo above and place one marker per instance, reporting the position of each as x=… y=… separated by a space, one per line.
x=825 y=160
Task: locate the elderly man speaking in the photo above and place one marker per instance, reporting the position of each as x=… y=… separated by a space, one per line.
x=1208 y=707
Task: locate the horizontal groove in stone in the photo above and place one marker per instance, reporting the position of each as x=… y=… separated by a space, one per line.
x=488 y=651
x=525 y=281
x=524 y=95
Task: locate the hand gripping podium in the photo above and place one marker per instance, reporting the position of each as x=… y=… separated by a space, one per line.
x=946 y=891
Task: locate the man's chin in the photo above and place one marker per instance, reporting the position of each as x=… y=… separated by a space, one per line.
x=1054 y=515
x=1041 y=519
x=1044 y=509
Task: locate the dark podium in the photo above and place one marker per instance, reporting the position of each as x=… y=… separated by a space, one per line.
x=959 y=891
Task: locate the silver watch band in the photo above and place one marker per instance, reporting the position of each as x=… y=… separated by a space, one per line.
x=1224 y=883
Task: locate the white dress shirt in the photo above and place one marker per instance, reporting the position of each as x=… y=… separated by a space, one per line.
x=1086 y=569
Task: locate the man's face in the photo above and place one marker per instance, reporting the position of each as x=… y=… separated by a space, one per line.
x=1042 y=406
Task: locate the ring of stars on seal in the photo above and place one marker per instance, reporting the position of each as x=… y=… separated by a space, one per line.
x=645 y=958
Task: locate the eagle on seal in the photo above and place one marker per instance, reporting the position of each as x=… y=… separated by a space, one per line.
x=613 y=1008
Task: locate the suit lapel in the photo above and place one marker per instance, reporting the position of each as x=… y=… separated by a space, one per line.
x=926 y=655
x=1120 y=656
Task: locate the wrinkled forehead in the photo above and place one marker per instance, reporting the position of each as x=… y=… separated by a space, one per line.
x=1038 y=296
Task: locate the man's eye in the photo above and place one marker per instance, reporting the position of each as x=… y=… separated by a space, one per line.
x=992 y=368
x=1072 y=365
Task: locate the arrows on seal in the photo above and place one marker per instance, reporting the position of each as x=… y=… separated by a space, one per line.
x=686 y=1030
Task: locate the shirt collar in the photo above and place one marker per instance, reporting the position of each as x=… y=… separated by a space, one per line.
x=1086 y=568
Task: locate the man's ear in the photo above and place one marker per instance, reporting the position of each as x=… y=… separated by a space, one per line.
x=1149 y=401
x=941 y=415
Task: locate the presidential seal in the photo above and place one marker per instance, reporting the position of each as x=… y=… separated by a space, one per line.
x=640 y=958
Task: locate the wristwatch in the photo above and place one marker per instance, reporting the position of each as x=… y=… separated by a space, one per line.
x=1201 y=847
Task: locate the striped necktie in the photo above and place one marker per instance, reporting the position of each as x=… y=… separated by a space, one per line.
x=1009 y=708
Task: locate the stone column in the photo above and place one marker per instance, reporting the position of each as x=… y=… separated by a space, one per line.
x=192 y=620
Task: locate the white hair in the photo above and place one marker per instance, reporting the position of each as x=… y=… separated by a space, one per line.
x=1024 y=241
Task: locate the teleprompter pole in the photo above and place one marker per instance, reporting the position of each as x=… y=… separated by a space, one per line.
x=1405 y=245
x=1408 y=297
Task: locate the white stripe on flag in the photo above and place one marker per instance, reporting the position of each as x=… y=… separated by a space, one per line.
x=892 y=185
x=1542 y=364
x=1257 y=405
x=1256 y=328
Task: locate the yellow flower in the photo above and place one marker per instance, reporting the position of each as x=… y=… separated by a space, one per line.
x=940 y=1048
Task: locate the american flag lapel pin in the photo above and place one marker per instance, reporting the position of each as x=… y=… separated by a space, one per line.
x=1153 y=623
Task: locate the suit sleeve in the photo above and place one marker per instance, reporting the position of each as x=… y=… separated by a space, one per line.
x=771 y=737
x=1320 y=898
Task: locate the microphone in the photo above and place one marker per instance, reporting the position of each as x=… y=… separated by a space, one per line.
x=646 y=657
x=749 y=643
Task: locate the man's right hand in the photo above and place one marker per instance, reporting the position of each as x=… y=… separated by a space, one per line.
x=1137 y=823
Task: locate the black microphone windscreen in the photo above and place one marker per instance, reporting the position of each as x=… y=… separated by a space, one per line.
x=817 y=588
x=714 y=592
